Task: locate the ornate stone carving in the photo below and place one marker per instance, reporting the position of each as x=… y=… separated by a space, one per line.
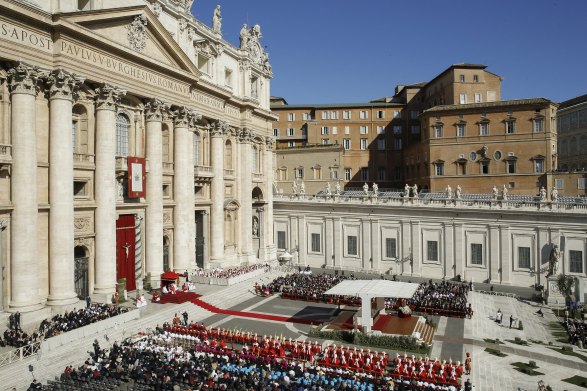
x=244 y=135
x=217 y=20
x=82 y=224
x=107 y=97
x=219 y=128
x=155 y=110
x=84 y=242
x=269 y=142
x=249 y=42
x=3 y=225
x=191 y=33
x=203 y=46
x=23 y=79
x=137 y=37
x=167 y=218
x=183 y=24
x=184 y=117
x=64 y=85
x=169 y=233
x=156 y=7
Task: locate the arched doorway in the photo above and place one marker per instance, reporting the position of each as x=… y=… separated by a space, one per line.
x=81 y=271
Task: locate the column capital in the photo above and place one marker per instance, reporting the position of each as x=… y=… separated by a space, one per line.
x=63 y=85
x=244 y=135
x=269 y=142
x=184 y=117
x=108 y=97
x=23 y=79
x=219 y=128
x=155 y=110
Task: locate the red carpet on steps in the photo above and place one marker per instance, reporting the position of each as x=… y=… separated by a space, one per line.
x=178 y=298
x=256 y=315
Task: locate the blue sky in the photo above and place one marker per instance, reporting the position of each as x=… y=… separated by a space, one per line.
x=333 y=51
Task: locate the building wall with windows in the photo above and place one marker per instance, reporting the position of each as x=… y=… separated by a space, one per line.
x=572 y=134
x=122 y=154
x=314 y=166
x=509 y=244
x=481 y=145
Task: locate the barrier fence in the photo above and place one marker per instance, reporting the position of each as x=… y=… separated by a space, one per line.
x=19 y=354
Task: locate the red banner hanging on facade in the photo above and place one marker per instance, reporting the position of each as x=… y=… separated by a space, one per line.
x=136 y=177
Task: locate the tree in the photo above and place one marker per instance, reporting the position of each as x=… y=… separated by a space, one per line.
x=565 y=284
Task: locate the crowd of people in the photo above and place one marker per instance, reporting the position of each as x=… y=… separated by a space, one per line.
x=194 y=357
x=232 y=272
x=442 y=298
x=577 y=331
x=60 y=323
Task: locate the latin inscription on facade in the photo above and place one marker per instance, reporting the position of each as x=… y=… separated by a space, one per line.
x=14 y=33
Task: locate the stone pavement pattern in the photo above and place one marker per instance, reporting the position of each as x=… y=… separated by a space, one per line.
x=489 y=372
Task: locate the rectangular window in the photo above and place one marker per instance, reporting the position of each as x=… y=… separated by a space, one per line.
x=299 y=172
x=524 y=257
x=415 y=129
x=490 y=96
x=559 y=184
x=364 y=143
x=380 y=129
x=538 y=126
x=484 y=128
x=581 y=183
x=325 y=141
x=364 y=174
x=333 y=173
x=438 y=131
x=290 y=132
x=335 y=130
x=346 y=143
x=397 y=144
x=381 y=174
x=485 y=167
x=576 y=261
x=475 y=78
x=397 y=114
x=306 y=116
x=476 y=254
x=462 y=78
x=478 y=97
x=347 y=174
x=463 y=99
x=324 y=130
x=539 y=165
x=275 y=132
x=380 y=114
x=347 y=130
x=334 y=115
x=346 y=115
x=390 y=248
x=316 y=243
x=397 y=129
x=510 y=127
x=291 y=116
x=363 y=129
x=381 y=144
x=511 y=164
x=325 y=115
x=79 y=188
x=291 y=144
x=460 y=130
x=432 y=251
x=439 y=169
x=228 y=77
x=281 y=240
x=352 y=245
x=363 y=114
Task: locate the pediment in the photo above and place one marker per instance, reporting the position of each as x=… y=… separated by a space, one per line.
x=139 y=31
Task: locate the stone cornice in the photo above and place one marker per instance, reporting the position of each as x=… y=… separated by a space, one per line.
x=108 y=97
x=63 y=85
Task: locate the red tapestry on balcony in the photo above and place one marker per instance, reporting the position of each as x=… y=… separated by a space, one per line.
x=136 y=177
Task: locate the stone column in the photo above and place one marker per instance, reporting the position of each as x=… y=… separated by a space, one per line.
x=328 y=249
x=63 y=88
x=505 y=243
x=449 y=250
x=217 y=131
x=302 y=247
x=407 y=249
x=246 y=199
x=374 y=240
x=364 y=246
x=416 y=249
x=154 y=111
x=460 y=260
x=271 y=252
x=337 y=244
x=24 y=266
x=184 y=244
x=494 y=255
x=107 y=97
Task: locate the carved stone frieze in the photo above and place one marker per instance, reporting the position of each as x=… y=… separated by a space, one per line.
x=108 y=97
x=23 y=79
x=205 y=47
x=183 y=24
x=137 y=36
x=84 y=242
x=167 y=218
x=155 y=110
x=219 y=128
x=244 y=135
x=64 y=85
x=269 y=142
x=156 y=7
x=191 y=33
x=82 y=224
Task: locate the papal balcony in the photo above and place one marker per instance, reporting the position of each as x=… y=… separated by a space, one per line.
x=83 y=160
x=203 y=172
x=121 y=164
x=257 y=177
x=167 y=167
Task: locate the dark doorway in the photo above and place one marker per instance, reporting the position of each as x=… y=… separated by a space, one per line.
x=165 y=254
x=125 y=250
x=81 y=272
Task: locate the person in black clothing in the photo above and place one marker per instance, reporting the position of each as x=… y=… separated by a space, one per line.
x=17 y=321
x=11 y=321
x=35 y=385
x=185 y=317
x=511 y=321
x=96 y=348
x=468 y=385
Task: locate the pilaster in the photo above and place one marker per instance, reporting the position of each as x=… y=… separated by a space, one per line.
x=375 y=242
x=494 y=254
x=245 y=188
x=365 y=247
x=217 y=131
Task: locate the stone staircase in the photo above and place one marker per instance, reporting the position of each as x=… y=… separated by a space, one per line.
x=423 y=332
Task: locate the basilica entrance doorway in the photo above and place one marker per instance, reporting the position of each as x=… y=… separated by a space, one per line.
x=125 y=250
x=81 y=272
